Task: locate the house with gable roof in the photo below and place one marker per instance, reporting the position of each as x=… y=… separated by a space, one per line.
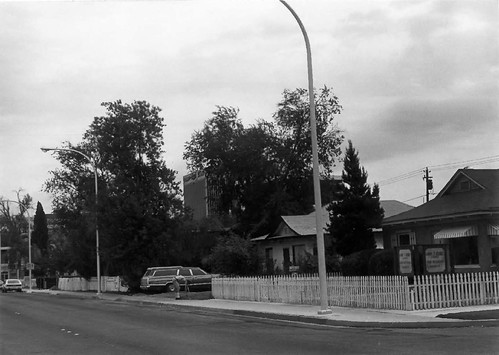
x=296 y=236
x=464 y=216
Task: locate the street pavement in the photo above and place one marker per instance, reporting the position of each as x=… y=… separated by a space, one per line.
x=475 y=316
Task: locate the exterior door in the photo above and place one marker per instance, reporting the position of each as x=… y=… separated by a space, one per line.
x=287 y=260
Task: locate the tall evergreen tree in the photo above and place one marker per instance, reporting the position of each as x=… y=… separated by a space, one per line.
x=40 y=234
x=357 y=209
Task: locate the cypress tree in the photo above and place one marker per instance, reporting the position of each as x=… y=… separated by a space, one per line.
x=357 y=209
x=40 y=234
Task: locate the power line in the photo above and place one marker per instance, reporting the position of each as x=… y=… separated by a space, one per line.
x=479 y=161
x=414 y=173
x=414 y=198
x=400 y=177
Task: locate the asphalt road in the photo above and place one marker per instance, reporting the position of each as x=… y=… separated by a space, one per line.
x=48 y=324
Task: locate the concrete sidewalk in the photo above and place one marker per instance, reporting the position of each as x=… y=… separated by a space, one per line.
x=340 y=316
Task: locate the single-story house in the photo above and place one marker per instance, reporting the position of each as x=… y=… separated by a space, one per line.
x=296 y=236
x=463 y=217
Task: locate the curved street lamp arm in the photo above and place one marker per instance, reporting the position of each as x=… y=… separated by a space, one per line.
x=92 y=161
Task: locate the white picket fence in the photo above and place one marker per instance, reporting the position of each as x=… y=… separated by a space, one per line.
x=108 y=284
x=455 y=290
x=381 y=292
x=376 y=292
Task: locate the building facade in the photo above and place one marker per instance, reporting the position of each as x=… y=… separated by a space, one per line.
x=463 y=218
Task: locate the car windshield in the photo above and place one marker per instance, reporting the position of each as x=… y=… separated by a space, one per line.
x=197 y=271
x=13 y=282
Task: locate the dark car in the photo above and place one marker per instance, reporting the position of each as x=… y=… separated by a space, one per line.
x=12 y=285
x=161 y=278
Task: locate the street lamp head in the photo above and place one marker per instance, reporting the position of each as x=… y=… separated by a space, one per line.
x=45 y=150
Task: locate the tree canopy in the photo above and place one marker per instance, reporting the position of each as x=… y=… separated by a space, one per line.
x=14 y=224
x=138 y=201
x=264 y=171
x=356 y=210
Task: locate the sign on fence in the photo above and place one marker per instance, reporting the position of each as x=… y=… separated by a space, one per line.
x=413 y=260
x=435 y=261
x=404 y=261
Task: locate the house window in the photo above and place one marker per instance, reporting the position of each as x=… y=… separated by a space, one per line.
x=406 y=238
x=465 y=186
x=494 y=244
x=269 y=255
x=298 y=253
x=464 y=250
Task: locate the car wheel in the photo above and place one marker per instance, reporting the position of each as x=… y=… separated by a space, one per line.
x=170 y=288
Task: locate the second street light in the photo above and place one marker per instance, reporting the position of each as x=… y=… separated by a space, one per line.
x=94 y=165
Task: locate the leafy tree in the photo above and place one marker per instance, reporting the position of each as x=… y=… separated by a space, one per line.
x=357 y=210
x=15 y=233
x=264 y=171
x=212 y=150
x=233 y=255
x=139 y=205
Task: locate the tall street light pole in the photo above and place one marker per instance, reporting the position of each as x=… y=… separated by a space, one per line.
x=316 y=179
x=30 y=265
x=94 y=165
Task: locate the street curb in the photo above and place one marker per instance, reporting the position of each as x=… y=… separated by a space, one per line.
x=339 y=323
x=293 y=318
x=323 y=321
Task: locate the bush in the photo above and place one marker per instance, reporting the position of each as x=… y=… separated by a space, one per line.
x=357 y=264
x=233 y=255
x=309 y=263
x=381 y=263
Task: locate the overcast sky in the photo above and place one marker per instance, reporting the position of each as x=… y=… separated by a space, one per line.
x=418 y=80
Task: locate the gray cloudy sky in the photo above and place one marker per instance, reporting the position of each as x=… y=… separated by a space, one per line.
x=418 y=80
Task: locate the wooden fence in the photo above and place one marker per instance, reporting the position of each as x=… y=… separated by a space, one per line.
x=455 y=290
x=108 y=284
x=382 y=292
x=377 y=292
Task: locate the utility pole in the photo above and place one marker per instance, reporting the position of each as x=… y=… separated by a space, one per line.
x=429 y=183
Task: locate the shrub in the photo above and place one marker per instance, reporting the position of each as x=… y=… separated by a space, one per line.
x=381 y=263
x=233 y=255
x=309 y=263
x=357 y=264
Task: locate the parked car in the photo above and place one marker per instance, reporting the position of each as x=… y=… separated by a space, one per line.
x=161 y=278
x=12 y=285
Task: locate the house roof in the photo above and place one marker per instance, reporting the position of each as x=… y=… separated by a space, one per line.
x=305 y=225
x=483 y=198
x=394 y=207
